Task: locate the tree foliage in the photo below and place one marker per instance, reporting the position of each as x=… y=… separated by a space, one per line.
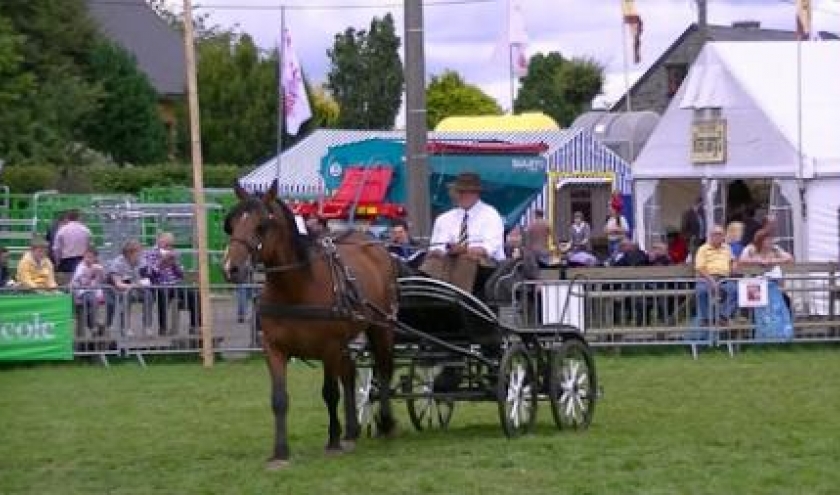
x=44 y=46
x=238 y=92
x=127 y=124
x=366 y=75
x=448 y=94
x=560 y=88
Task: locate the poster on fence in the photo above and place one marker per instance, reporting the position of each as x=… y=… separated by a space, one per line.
x=752 y=292
x=560 y=305
x=36 y=327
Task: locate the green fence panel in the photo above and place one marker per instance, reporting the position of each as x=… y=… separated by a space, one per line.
x=36 y=327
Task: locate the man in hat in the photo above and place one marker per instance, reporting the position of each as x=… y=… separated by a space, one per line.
x=469 y=235
x=35 y=270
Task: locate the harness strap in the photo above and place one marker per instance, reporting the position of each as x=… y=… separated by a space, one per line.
x=304 y=312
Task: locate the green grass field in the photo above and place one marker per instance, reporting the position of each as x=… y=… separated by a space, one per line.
x=765 y=422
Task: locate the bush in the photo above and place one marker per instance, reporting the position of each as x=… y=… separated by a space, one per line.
x=113 y=179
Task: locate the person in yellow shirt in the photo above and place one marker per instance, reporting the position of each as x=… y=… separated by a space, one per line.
x=35 y=270
x=713 y=264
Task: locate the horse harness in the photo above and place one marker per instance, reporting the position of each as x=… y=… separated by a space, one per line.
x=350 y=303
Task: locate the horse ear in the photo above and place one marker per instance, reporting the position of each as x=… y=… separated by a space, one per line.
x=271 y=194
x=240 y=191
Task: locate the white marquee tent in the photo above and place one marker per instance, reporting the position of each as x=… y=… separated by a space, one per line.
x=777 y=99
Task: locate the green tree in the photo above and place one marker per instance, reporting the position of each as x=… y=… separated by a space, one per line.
x=366 y=75
x=560 y=88
x=448 y=94
x=325 y=110
x=238 y=92
x=127 y=124
x=46 y=44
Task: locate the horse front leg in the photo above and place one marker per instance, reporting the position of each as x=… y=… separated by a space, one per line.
x=351 y=418
x=280 y=405
x=331 y=396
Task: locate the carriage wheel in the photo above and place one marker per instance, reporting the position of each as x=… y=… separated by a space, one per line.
x=427 y=412
x=572 y=385
x=517 y=391
x=364 y=400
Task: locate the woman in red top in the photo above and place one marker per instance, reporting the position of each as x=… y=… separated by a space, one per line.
x=677 y=248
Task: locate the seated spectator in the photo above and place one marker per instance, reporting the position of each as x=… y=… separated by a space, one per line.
x=628 y=254
x=580 y=233
x=775 y=319
x=165 y=272
x=71 y=241
x=658 y=255
x=5 y=274
x=514 y=243
x=734 y=236
x=400 y=242
x=714 y=264
x=537 y=235
x=125 y=278
x=87 y=286
x=35 y=270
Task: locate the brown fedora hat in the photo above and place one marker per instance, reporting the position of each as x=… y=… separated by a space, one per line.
x=466 y=182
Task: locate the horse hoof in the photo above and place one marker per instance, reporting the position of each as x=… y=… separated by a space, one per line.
x=277 y=464
x=348 y=445
x=333 y=451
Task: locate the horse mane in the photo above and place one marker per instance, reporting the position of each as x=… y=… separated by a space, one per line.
x=301 y=243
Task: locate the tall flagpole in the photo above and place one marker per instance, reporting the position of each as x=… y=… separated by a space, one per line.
x=200 y=213
x=510 y=55
x=281 y=100
x=625 y=64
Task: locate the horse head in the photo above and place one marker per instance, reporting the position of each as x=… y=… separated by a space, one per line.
x=261 y=229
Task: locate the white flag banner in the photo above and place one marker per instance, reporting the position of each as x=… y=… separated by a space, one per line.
x=296 y=108
x=517 y=38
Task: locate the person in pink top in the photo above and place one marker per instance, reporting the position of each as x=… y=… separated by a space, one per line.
x=71 y=241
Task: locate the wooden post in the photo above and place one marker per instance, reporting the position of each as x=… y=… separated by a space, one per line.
x=198 y=191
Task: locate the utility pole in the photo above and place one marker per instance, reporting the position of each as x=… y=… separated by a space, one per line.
x=419 y=209
x=200 y=214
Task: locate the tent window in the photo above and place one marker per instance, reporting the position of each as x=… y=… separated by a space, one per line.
x=676 y=75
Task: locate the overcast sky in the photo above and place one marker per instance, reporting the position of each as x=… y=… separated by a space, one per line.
x=465 y=37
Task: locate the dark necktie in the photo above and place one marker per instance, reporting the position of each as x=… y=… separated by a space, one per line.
x=462 y=234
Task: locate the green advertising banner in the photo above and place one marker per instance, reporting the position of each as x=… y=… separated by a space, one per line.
x=36 y=327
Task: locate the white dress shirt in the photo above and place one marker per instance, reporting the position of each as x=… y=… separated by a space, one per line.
x=485 y=228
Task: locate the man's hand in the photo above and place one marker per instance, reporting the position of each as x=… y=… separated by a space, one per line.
x=456 y=249
x=476 y=252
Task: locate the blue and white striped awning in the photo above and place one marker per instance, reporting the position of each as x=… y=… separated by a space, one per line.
x=572 y=150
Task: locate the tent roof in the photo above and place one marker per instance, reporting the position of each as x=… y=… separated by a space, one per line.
x=300 y=165
x=758 y=99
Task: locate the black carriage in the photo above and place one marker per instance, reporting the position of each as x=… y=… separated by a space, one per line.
x=452 y=346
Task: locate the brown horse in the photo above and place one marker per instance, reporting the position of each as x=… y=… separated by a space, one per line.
x=319 y=295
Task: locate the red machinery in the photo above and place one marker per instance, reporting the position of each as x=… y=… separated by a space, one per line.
x=361 y=196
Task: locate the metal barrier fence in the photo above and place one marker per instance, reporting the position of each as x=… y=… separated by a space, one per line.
x=667 y=311
x=158 y=320
x=165 y=320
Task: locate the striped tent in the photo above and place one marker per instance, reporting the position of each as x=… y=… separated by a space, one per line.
x=571 y=150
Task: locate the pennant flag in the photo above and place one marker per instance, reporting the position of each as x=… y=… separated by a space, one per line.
x=517 y=39
x=296 y=109
x=634 y=24
x=803 y=19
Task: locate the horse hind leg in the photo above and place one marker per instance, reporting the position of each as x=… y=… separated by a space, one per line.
x=351 y=418
x=331 y=395
x=280 y=405
x=382 y=344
